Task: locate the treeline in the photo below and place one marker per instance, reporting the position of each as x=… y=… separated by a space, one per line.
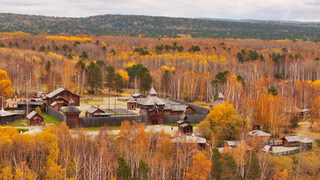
x=136 y=154
x=148 y=26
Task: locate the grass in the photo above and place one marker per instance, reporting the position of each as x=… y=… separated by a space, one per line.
x=49 y=119
x=176 y=125
x=21 y=122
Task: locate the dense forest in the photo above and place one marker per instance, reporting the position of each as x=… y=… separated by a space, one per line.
x=148 y=26
x=56 y=153
x=265 y=81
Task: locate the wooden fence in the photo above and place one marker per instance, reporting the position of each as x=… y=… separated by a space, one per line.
x=108 y=121
x=171 y=119
x=56 y=114
x=285 y=152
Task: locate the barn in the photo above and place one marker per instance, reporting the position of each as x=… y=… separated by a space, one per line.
x=290 y=141
x=62 y=96
x=34 y=118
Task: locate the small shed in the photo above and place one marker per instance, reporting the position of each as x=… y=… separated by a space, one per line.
x=184 y=125
x=131 y=103
x=306 y=144
x=97 y=112
x=291 y=141
x=72 y=115
x=34 y=118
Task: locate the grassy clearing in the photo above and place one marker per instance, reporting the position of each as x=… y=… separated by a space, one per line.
x=176 y=125
x=49 y=119
x=22 y=122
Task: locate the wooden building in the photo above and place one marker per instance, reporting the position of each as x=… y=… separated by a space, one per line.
x=152 y=108
x=290 y=141
x=97 y=112
x=184 y=125
x=55 y=105
x=62 y=96
x=8 y=117
x=258 y=138
x=306 y=144
x=72 y=115
x=190 y=139
x=138 y=96
x=131 y=103
x=31 y=105
x=34 y=118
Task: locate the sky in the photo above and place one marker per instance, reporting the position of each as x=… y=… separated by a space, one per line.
x=283 y=10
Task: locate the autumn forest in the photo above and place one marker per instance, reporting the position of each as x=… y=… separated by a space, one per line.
x=263 y=81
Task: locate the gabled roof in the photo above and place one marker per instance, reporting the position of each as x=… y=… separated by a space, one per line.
x=189 y=139
x=19 y=112
x=258 y=133
x=57 y=91
x=292 y=138
x=32 y=114
x=306 y=140
x=4 y=113
x=131 y=99
x=93 y=109
x=152 y=91
x=233 y=143
x=152 y=100
x=266 y=148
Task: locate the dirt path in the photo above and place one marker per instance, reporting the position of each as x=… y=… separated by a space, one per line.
x=304 y=131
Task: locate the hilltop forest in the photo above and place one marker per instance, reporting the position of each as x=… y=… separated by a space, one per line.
x=149 y=26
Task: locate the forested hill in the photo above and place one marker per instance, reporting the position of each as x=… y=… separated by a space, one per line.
x=149 y=26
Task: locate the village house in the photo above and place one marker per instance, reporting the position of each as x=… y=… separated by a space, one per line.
x=97 y=112
x=306 y=144
x=30 y=105
x=62 y=96
x=34 y=118
x=190 y=139
x=290 y=141
x=7 y=117
x=257 y=138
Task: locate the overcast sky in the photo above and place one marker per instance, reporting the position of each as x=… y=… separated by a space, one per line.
x=298 y=10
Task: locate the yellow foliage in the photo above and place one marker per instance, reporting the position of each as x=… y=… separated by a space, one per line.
x=201 y=167
x=124 y=75
x=5 y=84
x=14 y=33
x=6 y=174
x=69 y=38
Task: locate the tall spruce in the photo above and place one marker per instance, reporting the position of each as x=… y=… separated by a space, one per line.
x=216 y=163
x=123 y=171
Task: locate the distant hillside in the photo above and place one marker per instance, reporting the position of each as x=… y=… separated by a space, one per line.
x=148 y=26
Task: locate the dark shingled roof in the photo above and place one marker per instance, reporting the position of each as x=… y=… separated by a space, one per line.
x=71 y=107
